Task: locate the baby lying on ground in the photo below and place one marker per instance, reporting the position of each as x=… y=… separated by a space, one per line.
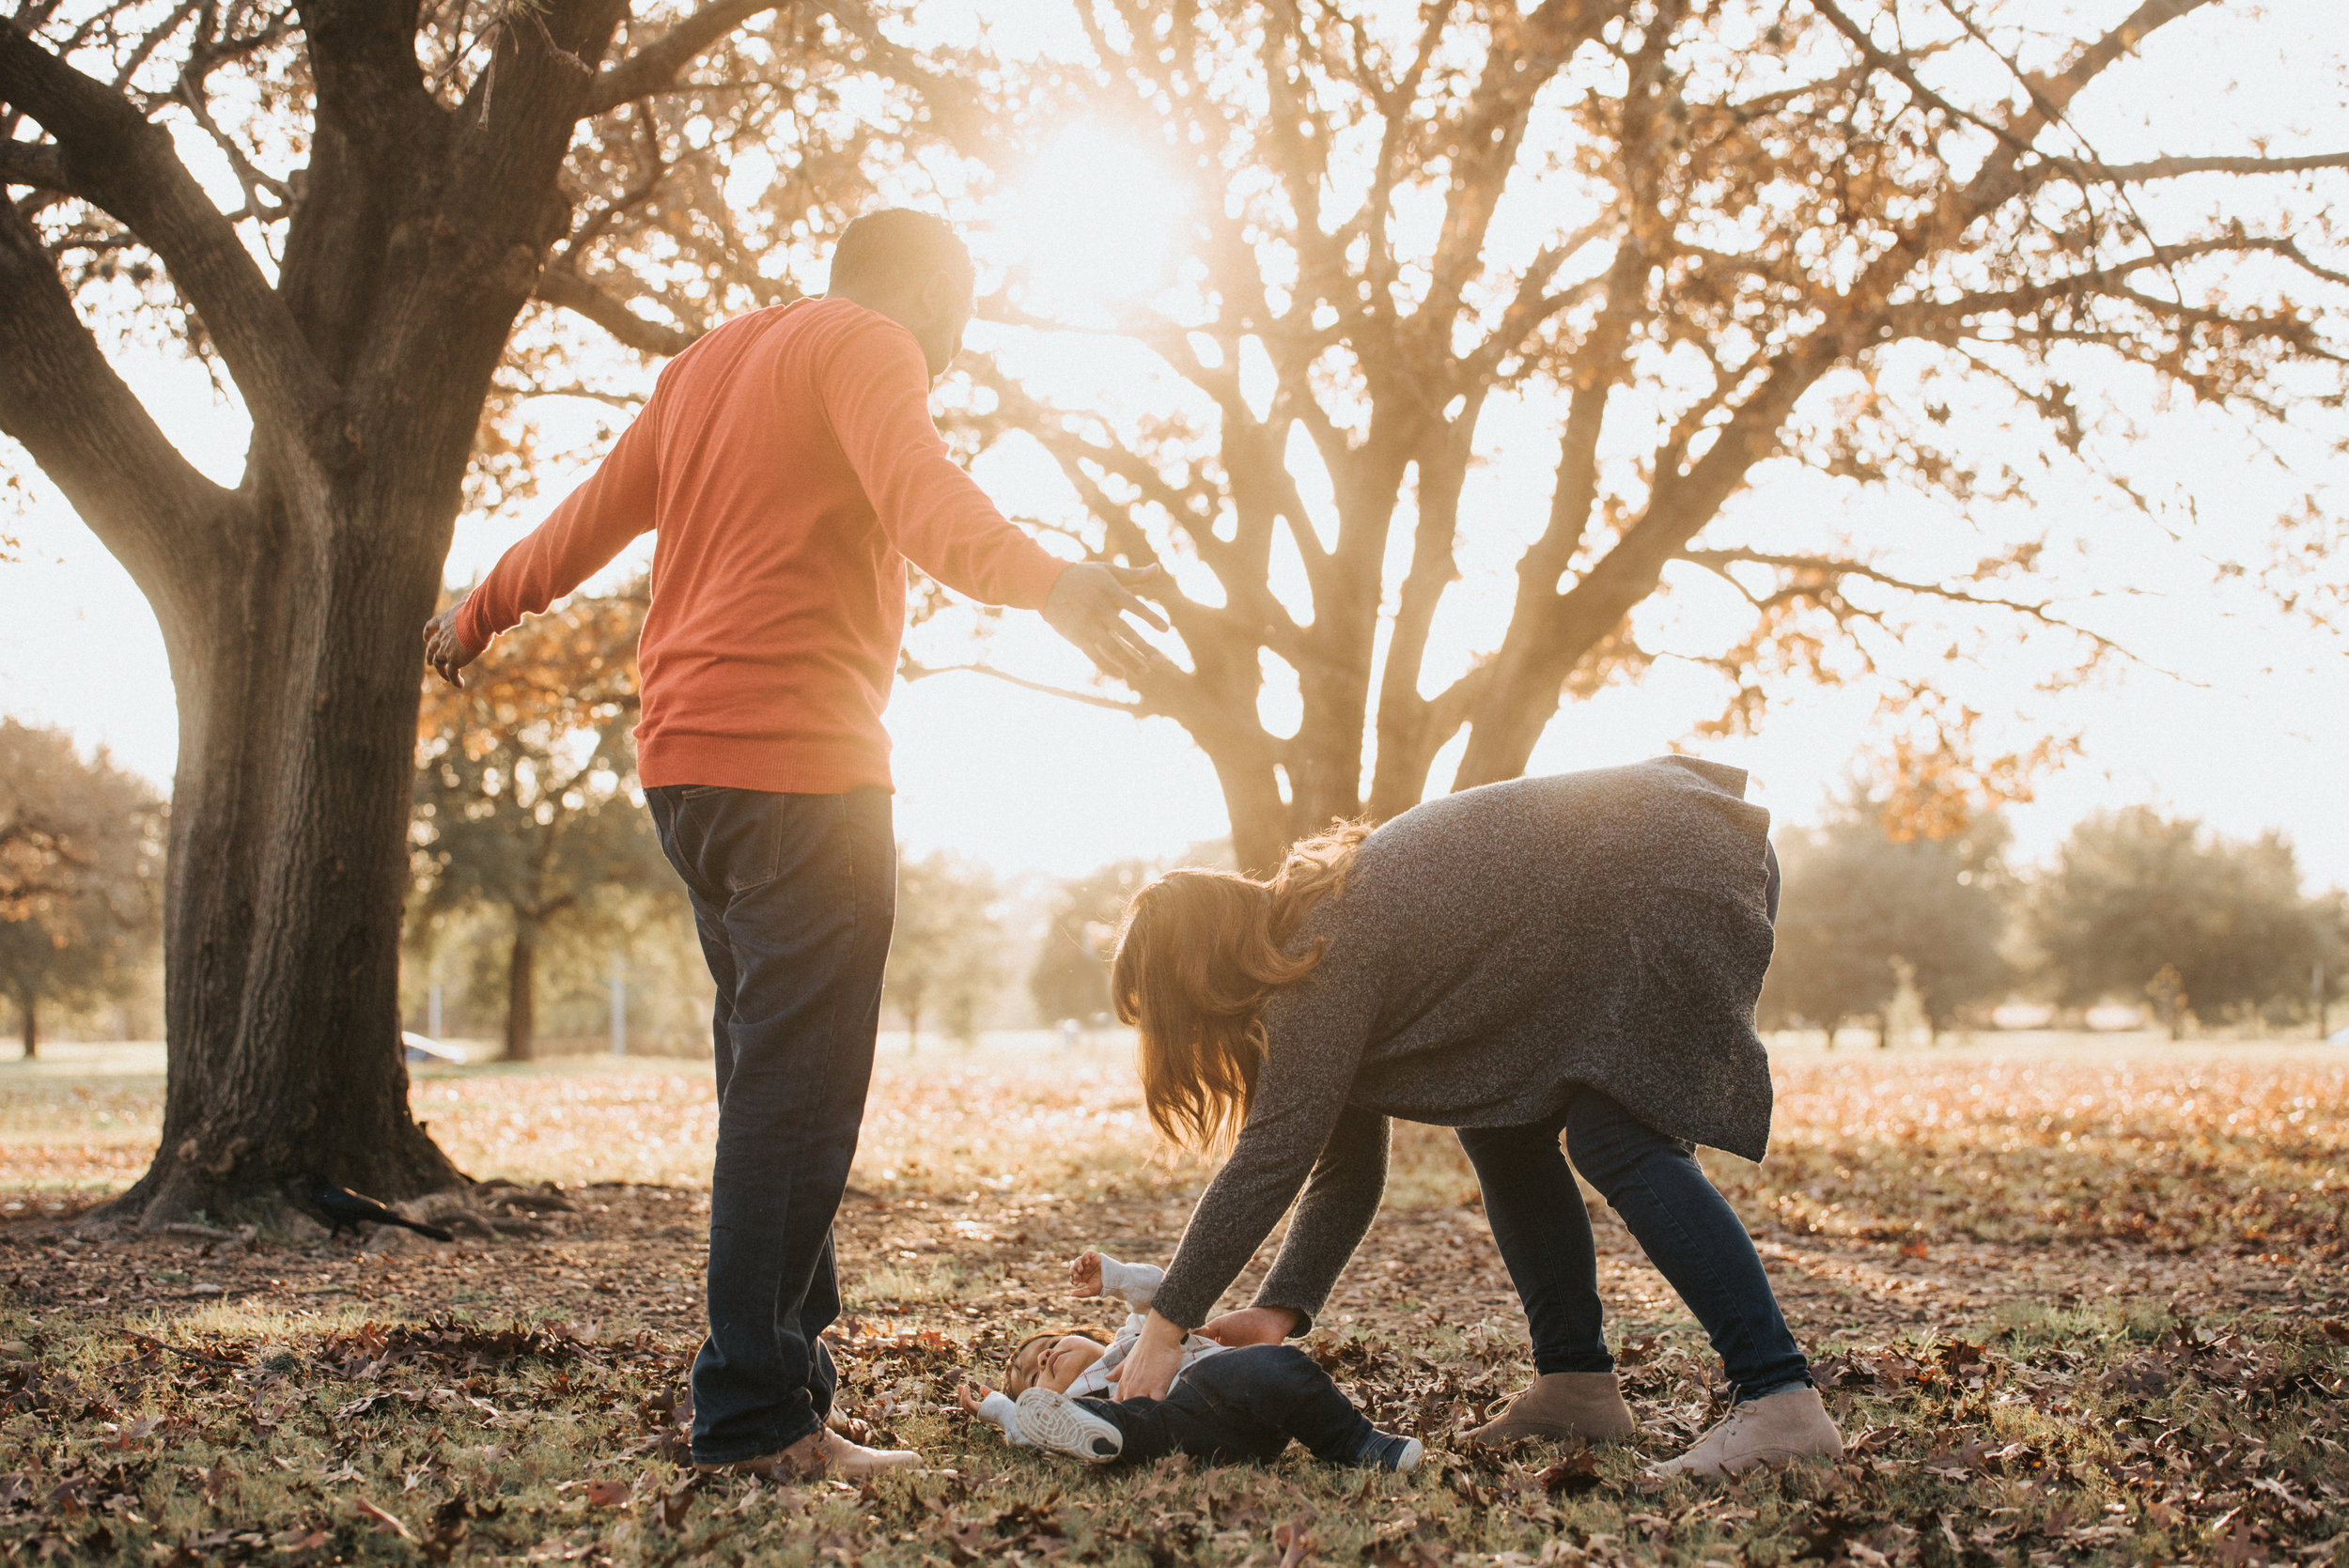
x=1228 y=1403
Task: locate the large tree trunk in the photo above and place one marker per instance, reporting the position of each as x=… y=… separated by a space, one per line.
x=521 y=970
x=29 y=1005
x=287 y=867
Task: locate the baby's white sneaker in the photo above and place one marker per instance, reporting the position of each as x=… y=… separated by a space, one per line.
x=1055 y=1422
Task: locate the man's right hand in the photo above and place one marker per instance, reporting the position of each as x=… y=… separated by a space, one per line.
x=444 y=650
x=1089 y=604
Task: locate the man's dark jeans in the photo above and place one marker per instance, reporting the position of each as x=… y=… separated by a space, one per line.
x=1680 y=1220
x=793 y=898
x=1242 y=1405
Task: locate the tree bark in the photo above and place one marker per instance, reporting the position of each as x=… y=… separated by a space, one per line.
x=29 y=1005
x=287 y=873
x=522 y=1013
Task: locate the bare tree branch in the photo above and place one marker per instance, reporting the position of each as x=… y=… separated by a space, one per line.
x=2172 y=168
x=123 y=162
x=911 y=671
x=655 y=66
x=561 y=287
x=88 y=431
x=34 y=163
x=1719 y=561
x=953 y=106
x=629 y=400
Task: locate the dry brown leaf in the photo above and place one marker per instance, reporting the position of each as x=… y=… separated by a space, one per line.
x=382 y=1519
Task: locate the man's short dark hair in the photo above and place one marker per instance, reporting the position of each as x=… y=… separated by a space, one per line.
x=898 y=246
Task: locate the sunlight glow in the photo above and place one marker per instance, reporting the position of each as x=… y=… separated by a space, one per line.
x=1089 y=223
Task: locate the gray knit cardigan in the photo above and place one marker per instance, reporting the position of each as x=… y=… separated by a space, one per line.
x=1493 y=951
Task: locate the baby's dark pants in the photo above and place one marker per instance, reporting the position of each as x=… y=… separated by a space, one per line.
x=1244 y=1403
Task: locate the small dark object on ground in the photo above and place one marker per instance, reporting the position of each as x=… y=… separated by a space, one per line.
x=344 y=1208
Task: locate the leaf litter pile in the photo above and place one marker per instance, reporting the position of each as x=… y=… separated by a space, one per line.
x=2087 y=1304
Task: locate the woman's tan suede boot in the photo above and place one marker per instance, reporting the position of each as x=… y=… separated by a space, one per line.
x=1564 y=1404
x=1790 y=1424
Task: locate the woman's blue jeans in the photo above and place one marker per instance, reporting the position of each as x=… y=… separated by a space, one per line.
x=1680 y=1220
x=793 y=899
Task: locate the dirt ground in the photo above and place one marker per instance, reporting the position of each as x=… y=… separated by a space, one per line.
x=2073 y=1301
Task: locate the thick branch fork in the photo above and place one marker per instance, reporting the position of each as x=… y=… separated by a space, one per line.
x=115 y=157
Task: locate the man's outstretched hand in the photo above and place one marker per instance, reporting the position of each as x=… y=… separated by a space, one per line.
x=445 y=651
x=1089 y=604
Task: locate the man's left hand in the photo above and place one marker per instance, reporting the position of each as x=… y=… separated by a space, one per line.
x=1089 y=604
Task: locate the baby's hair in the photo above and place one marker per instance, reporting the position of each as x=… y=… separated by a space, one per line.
x=1012 y=1385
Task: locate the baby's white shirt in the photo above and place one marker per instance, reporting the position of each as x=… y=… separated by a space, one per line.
x=1136 y=1284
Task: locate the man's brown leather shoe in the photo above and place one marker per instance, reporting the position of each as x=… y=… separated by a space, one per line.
x=815 y=1457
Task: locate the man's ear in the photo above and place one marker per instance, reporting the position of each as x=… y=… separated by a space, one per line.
x=939 y=296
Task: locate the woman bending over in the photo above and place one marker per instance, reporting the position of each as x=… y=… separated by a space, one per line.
x=1577 y=955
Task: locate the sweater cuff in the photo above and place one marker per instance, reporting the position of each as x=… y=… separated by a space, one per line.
x=1180 y=1311
x=1305 y=1314
x=999 y=1409
x=1030 y=583
x=1134 y=1283
x=471 y=625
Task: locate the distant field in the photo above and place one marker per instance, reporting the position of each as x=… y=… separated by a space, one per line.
x=1996 y=1135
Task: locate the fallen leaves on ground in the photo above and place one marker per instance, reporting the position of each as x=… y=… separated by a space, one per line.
x=2036 y=1388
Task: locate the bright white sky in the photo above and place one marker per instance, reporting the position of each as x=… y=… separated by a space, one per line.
x=2248 y=729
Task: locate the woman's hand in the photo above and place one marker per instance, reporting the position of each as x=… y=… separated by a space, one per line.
x=1253 y=1325
x=1150 y=1368
x=1084 y=1274
x=969 y=1396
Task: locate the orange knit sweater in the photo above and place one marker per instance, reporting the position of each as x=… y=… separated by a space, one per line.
x=788 y=467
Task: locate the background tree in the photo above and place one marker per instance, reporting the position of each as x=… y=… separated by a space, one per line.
x=81 y=874
x=526 y=790
x=1071 y=977
x=1864 y=903
x=344 y=209
x=945 y=958
x=2331 y=975
x=2138 y=904
x=1723 y=241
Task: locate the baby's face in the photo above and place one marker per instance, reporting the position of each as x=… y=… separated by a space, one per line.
x=1055 y=1364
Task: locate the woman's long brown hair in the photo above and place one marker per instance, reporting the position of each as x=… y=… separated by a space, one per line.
x=1200 y=953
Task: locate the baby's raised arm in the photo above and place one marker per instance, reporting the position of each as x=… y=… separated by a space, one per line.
x=1096 y=1273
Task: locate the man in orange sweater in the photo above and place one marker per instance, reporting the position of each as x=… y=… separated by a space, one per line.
x=789 y=468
